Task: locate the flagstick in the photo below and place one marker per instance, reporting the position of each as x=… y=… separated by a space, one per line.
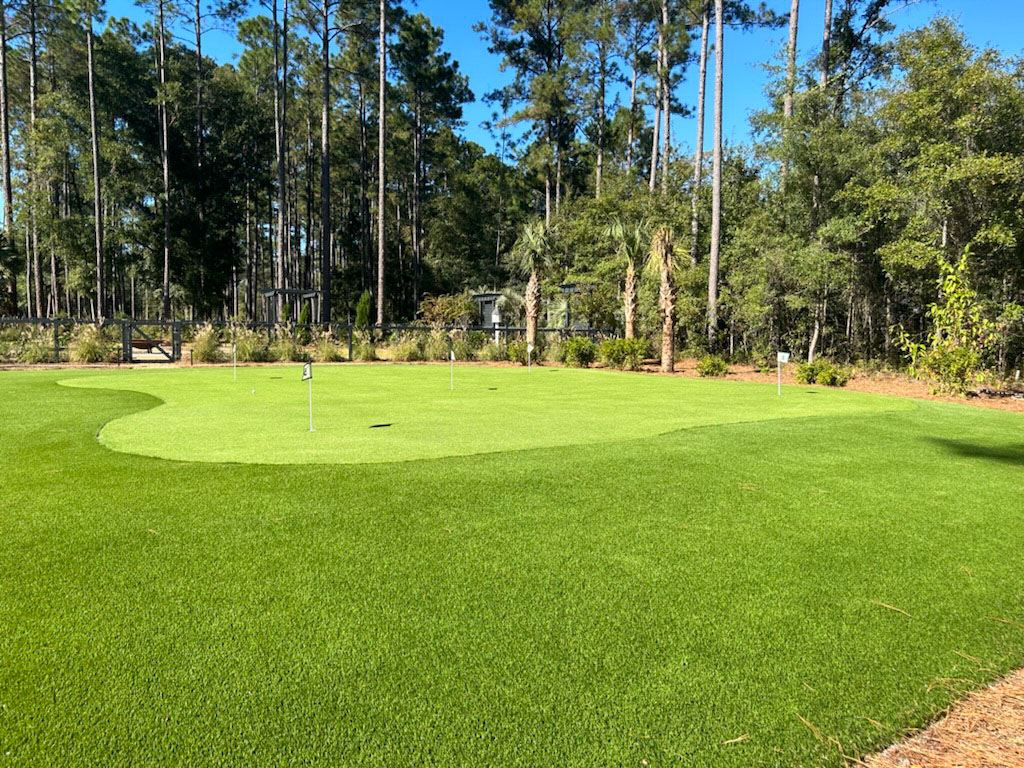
x=234 y=362
x=451 y=366
x=310 y=403
x=779 y=363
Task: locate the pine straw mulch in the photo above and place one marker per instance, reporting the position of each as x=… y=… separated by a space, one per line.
x=881 y=383
x=985 y=730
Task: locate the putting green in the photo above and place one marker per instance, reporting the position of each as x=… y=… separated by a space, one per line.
x=383 y=413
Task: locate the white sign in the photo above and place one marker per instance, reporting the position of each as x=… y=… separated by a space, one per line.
x=783 y=357
x=307 y=372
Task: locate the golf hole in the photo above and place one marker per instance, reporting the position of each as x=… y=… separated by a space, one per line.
x=378 y=426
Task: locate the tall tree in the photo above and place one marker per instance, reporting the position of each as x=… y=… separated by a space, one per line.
x=716 y=180
x=698 y=154
x=5 y=129
x=381 y=178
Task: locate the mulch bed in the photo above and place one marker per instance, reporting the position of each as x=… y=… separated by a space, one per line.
x=985 y=730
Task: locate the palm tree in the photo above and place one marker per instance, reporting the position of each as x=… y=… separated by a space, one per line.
x=663 y=260
x=529 y=256
x=632 y=248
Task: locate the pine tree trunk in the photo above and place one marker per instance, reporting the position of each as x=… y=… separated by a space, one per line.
x=97 y=200
x=698 y=155
x=600 y=118
x=326 y=246
x=787 y=104
x=382 y=61
x=666 y=97
x=165 y=307
x=632 y=116
x=629 y=300
x=657 y=125
x=5 y=155
x=716 y=181
x=826 y=42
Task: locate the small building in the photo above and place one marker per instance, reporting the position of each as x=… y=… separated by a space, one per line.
x=488 y=311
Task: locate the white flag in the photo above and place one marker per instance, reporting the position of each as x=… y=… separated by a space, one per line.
x=529 y=347
x=307 y=371
x=451 y=354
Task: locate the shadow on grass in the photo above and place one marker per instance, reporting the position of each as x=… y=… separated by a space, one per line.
x=1008 y=454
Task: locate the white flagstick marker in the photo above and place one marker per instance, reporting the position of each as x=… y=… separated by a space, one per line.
x=307 y=375
x=234 y=362
x=451 y=366
x=529 y=357
x=782 y=357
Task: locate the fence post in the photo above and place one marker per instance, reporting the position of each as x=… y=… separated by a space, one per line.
x=126 y=341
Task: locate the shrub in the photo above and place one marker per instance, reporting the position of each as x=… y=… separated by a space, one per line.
x=518 y=352
x=304 y=334
x=822 y=372
x=406 y=348
x=436 y=346
x=92 y=344
x=206 y=345
x=251 y=346
x=286 y=350
x=466 y=345
x=493 y=352
x=453 y=309
x=712 y=366
x=327 y=349
x=555 y=352
x=626 y=354
x=580 y=352
x=363 y=308
x=363 y=348
x=36 y=346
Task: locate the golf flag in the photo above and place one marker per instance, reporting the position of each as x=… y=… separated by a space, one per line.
x=529 y=348
x=451 y=355
x=307 y=372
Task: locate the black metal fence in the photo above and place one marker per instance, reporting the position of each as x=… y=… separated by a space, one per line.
x=127 y=340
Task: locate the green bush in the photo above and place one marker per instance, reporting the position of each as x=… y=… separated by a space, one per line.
x=206 y=345
x=92 y=344
x=555 y=352
x=363 y=308
x=364 y=349
x=822 y=372
x=518 y=352
x=327 y=349
x=466 y=345
x=493 y=352
x=36 y=346
x=251 y=346
x=406 y=348
x=580 y=352
x=712 y=366
x=285 y=349
x=626 y=354
x=304 y=334
x=436 y=346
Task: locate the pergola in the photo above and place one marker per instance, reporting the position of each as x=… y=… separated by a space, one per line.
x=271 y=295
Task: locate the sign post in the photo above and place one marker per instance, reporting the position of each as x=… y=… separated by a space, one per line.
x=307 y=375
x=781 y=358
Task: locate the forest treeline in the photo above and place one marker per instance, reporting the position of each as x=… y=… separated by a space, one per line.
x=876 y=212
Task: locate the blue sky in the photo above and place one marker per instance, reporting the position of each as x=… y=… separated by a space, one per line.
x=988 y=23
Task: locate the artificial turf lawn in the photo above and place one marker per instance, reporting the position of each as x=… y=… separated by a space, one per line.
x=261 y=414
x=585 y=605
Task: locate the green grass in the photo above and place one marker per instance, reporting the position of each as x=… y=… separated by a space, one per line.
x=574 y=604
x=263 y=417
